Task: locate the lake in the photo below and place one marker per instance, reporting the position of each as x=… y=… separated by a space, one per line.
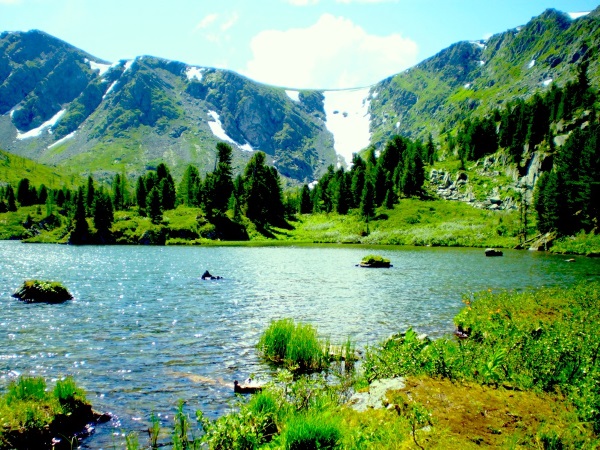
x=144 y=331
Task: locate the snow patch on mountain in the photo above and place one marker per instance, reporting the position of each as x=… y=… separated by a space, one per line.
x=61 y=141
x=531 y=64
x=547 y=82
x=110 y=88
x=577 y=15
x=194 y=72
x=348 y=119
x=101 y=68
x=217 y=129
x=128 y=64
x=39 y=130
x=294 y=95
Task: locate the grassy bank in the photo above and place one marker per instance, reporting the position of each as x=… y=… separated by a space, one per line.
x=34 y=417
x=523 y=374
x=412 y=222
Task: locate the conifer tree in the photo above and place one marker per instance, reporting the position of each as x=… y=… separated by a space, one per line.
x=90 y=195
x=154 y=205
x=367 y=205
x=10 y=199
x=103 y=214
x=79 y=234
x=305 y=202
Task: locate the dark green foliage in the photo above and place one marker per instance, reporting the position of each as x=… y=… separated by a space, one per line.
x=141 y=194
x=367 y=204
x=218 y=185
x=263 y=197
x=10 y=199
x=80 y=232
x=189 y=188
x=567 y=199
x=154 y=205
x=103 y=213
x=26 y=194
x=90 y=195
x=305 y=202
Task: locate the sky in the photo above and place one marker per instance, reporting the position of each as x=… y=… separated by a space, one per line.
x=321 y=44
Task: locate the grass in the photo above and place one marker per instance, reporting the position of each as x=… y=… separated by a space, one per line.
x=32 y=415
x=294 y=345
x=13 y=168
x=580 y=244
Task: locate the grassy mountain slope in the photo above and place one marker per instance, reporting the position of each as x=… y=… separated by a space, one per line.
x=474 y=77
x=13 y=168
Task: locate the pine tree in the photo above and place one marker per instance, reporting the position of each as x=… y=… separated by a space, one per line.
x=90 y=195
x=223 y=178
x=141 y=194
x=187 y=193
x=367 y=204
x=118 y=197
x=10 y=199
x=154 y=205
x=103 y=214
x=305 y=201
x=79 y=234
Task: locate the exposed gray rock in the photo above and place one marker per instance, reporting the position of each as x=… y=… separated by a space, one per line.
x=361 y=401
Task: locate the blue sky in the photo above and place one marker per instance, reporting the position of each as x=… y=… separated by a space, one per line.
x=291 y=43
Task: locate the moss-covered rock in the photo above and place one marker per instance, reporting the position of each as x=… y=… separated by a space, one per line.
x=375 y=261
x=36 y=291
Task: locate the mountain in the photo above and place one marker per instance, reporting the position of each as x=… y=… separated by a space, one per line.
x=476 y=76
x=61 y=106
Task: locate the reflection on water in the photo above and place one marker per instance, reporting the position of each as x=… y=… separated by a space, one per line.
x=144 y=331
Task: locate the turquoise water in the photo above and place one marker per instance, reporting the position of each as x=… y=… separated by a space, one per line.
x=144 y=331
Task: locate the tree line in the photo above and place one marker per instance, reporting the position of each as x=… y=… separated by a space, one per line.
x=566 y=195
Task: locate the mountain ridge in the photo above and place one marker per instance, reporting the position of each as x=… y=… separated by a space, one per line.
x=61 y=105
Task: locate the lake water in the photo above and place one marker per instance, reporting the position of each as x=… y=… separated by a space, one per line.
x=144 y=331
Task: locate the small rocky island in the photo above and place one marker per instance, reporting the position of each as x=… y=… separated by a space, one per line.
x=375 y=261
x=37 y=291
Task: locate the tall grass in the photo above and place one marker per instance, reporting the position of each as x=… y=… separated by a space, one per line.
x=294 y=345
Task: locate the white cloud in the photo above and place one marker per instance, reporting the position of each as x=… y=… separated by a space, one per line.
x=230 y=21
x=207 y=21
x=333 y=53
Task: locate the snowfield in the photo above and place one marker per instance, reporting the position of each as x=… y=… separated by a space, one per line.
x=39 y=130
x=348 y=119
x=217 y=129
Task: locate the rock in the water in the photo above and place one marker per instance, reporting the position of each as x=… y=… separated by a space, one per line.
x=36 y=291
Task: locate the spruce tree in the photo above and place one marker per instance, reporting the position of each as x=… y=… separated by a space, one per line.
x=79 y=234
x=367 y=204
x=90 y=195
x=305 y=202
x=154 y=205
x=10 y=199
x=103 y=214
